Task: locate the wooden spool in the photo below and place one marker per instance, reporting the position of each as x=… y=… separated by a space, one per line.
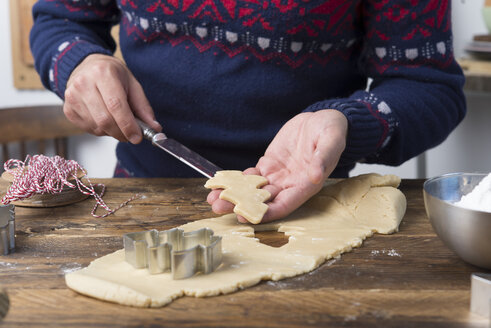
x=65 y=197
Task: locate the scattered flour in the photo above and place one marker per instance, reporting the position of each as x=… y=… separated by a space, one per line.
x=350 y=318
x=279 y=284
x=7 y=264
x=331 y=262
x=479 y=198
x=393 y=252
x=71 y=267
x=389 y=252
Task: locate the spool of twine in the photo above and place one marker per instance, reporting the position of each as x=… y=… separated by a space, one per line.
x=66 y=196
x=51 y=181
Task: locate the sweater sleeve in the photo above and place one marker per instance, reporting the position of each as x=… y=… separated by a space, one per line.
x=65 y=32
x=415 y=98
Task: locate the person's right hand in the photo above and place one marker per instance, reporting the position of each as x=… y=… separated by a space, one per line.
x=103 y=97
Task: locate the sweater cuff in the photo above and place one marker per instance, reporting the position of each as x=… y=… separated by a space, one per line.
x=367 y=131
x=69 y=54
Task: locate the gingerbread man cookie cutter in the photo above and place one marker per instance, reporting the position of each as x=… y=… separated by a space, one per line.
x=183 y=253
x=7 y=229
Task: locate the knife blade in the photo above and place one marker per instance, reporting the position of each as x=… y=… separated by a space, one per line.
x=179 y=151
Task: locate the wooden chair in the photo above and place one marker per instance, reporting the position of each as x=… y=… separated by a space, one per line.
x=38 y=123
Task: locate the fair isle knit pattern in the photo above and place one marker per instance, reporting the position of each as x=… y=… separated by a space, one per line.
x=300 y=40
x=269 y=59
x=283 y=48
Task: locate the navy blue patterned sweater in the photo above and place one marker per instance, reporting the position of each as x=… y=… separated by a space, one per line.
x=224 y=75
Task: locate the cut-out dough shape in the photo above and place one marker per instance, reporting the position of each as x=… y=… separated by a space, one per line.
x=242 y=190
x=337 y=219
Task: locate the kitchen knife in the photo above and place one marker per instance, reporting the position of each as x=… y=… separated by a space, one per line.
x=179 y=151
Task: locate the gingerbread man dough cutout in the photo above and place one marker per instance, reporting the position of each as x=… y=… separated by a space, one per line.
x=242 y=190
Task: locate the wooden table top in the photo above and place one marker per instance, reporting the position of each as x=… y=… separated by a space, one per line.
x=408 y=279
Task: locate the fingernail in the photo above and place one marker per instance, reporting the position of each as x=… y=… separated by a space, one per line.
x=135 y=138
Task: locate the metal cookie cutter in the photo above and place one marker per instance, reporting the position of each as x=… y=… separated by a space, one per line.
x=7 y=229
x=481 y=294
x=184 y=253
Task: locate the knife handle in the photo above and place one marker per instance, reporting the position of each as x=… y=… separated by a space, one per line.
x=148 y=132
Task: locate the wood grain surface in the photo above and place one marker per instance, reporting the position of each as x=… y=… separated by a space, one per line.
x=24 y=73
x=477 y=74
x=45 y=125
x=408 y=279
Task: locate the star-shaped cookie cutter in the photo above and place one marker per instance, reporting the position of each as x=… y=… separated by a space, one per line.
x=183 y=253
x=7 y=229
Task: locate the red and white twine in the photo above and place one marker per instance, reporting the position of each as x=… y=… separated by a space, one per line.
x=41 y=174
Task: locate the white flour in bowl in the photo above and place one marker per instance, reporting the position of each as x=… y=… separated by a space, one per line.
x=479 y=198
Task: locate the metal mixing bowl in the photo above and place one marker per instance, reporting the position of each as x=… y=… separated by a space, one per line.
x=467 y=232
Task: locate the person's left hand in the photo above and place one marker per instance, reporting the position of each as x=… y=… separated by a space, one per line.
x=301 y=156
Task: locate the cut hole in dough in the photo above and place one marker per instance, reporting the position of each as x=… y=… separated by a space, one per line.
x=271 y=238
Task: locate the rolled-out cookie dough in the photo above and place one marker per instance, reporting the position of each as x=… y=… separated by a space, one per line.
x=242 y=190
x=339 y=218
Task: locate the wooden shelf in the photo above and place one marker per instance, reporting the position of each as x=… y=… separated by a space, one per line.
x=24 y=73
x=25 y=76
x=477 y=74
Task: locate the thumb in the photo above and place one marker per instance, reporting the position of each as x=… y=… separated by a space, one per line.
x=325 y=158
x=316 y=168
x=140 y=105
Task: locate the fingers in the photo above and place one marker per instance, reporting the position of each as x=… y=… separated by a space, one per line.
x=273 y=190
x=74 y=108
x=103 y=98
x=242 y=219
x=325 y=158
x=317 y=168
x=252 y=170
x=82 y=100
x=301 y=156
x=118 y=108
x=282 y=206
x=283 y=202
x=223 y=206
x=102 y=118
x=329 y=145
x=268 y=165
x=140 y=105
x=287 y=201
x=213 y=196
x=220 y=206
